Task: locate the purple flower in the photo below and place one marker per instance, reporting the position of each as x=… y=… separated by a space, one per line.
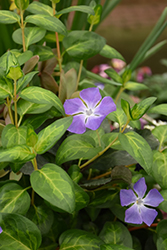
x=138 y=212
x=89 y=110
x=1 y=230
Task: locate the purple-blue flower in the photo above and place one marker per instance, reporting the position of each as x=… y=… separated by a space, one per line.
x=89 y=110
x=1 y=230
x=138 y=212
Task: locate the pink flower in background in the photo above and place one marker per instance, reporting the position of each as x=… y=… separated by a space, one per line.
x=142 y=73
x=99 y=69
x=117 y=64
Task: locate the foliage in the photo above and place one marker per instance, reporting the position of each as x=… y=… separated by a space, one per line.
x=60 y=183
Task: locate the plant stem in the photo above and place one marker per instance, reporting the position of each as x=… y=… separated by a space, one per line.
x=15 y=103
x=34 y=162
x=22 y=30
x=9 y=110
x=102 y=175
x=118 y=95
x=104 y=150
x=143 y=226
x=32 y=197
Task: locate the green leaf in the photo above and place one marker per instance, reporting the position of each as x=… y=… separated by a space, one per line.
x=81 y=197
x=40 y=8
x=161 y=231
x=109 y=137
x=102 y=199
x=25 y=107
x=32 y=137
x=126 y=108
x=24 y=57
x=109 y=52
x=14 y=199
x=116 y=233
x=95 y=19
x=13 y=69
x=44 y=52
x=114 y=247
x=74 y=173
x=41 y=216
x=80 y=239
x=42 y=96
x=118 y=116
x=113 y=75
x=83 y=44
x=32 y=35
x=159 y=109
x=18 y=232
x=138 y=148
x=50 y=23
x=134 y=86
x=75 y=147
x=51 y=134
x=25 y=80
x=96 y=135
x=82 y=8
x=159 y=168
x=160 y=132
x=21 y=4
x=6 y=87
x=9 y=17
x=54 y=185
x=163 y=205
x=139 y=109
x=12 y=136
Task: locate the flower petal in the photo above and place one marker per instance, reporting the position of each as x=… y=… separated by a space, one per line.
x=78 y=124
x=1 y=230
x=140 y=187
x=153 y=198
x=94 y=122
x=148 y=215
x=74 y=106
x=132 y=215
x=91 y=97
x=106 y=106
x=127 y=197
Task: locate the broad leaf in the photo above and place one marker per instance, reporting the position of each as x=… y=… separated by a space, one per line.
x=51 y=134
x=138 y=148
x=6 y=87
x=159 y=109
x=54 y=185
x=24 y=57
x=110 y=137
x=163 y=205
x=80 y=239
x=18 y=232
x=76 y=147
x=161 y=233
x=118 y=116
x=44 y=52
x=42 y=96
x=9 y=17
x=12 y=136
x=22 y=4
x=82 y=8
x=32 y=35
x=25 y=80
x=81 y=197
x=160 y=132
x=126 y=108
x=32 y=137
x=50 y=23
x=134 y=86
x=113 y=75
x=14 y=199
x=116 y=233
x=40 y=8
x=83 y=44
x=111 y=53
x=114 y=247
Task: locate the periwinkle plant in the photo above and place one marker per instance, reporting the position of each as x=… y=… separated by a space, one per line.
x=66 y=171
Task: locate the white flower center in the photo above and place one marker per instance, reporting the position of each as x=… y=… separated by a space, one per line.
x=89 y=112
x=139 y=201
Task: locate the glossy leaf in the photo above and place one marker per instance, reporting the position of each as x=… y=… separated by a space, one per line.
x=139 y=109
x=138 y=148
x=116 y=233
x=134 y=86
x=159 y=109
x=80 y=239
x=163 y=205
x=126 y=108
x=114 y=247
x=54 y=185
x=76 y=147
x=81 y=197
x=82 y=8
x=160 y=132
x=7 y=17
x=30 y=64
x=40 y=8
x=18 y=232
x=47 y=22
x=109 y=137
x=113 y=75
x=159 y=170
x=25 y=80
x=95 y=19
x=83 y=44
x=32 y=137
x=32 y=35
x=12 y=136
x=14 y=199
x=22 y=4
x=118 y=116
x=24 y=57
x=6 y=87
x=109 y=52
x=44 y=52
x=51 y=134
x=42 y=96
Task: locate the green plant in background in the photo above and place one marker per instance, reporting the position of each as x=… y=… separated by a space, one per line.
x=61 y=189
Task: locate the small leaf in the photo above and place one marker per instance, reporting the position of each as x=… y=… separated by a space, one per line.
x=18 y=232
x=25 y=80
x=121 y=173
x=9 y=17
x=32 y=137
x=95 y=18
x=14 y=199
x=134 y=86
x=159 y=109
x=160 y=132
x=6 y=87
x=139 y=109
x=138 y=148
x=118 y=116
x=54 y=185
x=22 y=4
x=109 y=52
x=30 y=64
x=44 y=52
x=82 y=8
x=113 y=75
x=51 y=134
x=163 y=205
x=81 y=197
x=42 y=96
x=50 y=23
x=126 y=108
x=40 y=8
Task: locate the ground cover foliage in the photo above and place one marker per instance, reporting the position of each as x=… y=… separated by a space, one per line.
x=77 y=168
